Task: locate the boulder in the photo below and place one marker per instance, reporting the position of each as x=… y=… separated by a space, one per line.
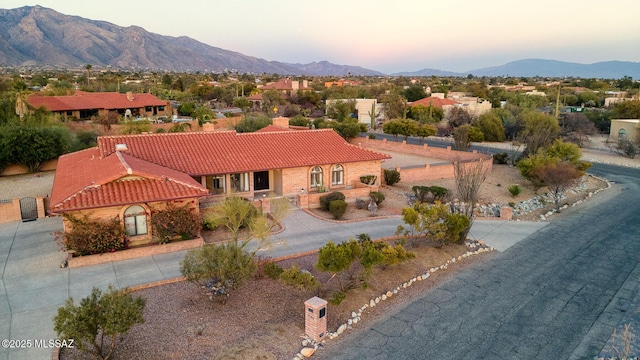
x=307 y=352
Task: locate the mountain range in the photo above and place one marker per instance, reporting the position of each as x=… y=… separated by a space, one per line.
x=35 y=36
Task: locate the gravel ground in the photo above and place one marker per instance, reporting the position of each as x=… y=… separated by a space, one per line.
x=27 y=185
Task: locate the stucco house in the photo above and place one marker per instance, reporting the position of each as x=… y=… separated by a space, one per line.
x=625 y=128
x=126 y=176
x=84 y=105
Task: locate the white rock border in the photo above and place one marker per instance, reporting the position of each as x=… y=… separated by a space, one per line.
x=310 y=345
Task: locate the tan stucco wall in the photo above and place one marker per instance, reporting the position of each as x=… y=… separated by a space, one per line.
x=632 y=127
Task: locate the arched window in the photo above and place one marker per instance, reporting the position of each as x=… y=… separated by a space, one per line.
x=337 y=175
x=622 y=134
x=135 y=220
x=316 y=177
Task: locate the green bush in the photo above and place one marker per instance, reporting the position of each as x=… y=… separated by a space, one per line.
x=273 y=270
x=368 y=179
x=226 y=263
x=337 y=208
x=456 y=224
x=420 y=192
x=439 y=193
x=93 y=237
x=173 y=221
x=337 y=298
x=372 y=136
x=97 y=316
x=325 y=200
x=377 y=196
x=515 y=190
x=501 y=158
x=391 y=176
x=298 y=279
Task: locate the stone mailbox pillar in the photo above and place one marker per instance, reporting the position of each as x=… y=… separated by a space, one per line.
x=506 y=213
x=315 y=318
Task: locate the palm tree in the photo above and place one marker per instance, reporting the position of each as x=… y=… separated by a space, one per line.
x=88 y=68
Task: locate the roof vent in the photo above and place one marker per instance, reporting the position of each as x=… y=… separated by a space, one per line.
x=121 y=147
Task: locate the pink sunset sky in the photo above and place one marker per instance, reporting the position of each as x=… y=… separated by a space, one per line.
x=387 y=36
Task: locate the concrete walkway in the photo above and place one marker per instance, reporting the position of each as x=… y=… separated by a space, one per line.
x=33 y=286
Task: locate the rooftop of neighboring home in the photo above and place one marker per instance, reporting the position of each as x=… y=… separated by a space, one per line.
x=82 y=100
x=434 y=101
x=287 y=84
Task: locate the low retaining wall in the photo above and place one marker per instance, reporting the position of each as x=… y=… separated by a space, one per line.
x=442 y=170
x=10 y=209
x=359 y=191
x=150 y=250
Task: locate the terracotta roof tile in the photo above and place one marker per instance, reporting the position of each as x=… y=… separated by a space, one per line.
x=86 y=180
x=434 y=101
x=100 y=100
x=225 y=152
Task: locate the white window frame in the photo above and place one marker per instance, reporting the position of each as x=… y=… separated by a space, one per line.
x=240 y=182
x=211 y=184
x=316 y=176
x=337 y=175
x=135 y=221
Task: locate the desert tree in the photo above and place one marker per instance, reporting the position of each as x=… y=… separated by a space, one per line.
x=559 y=177
x=404 y=127
x=627 y=148
x=468 y=178
x=458 y=116
x=95 y=323
x=540 y=130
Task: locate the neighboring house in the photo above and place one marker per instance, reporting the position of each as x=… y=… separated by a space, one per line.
x=126 y=176
x=84 y=105
x=625 y=128
x=436 y=101
x=341 y=82
x=363 y=108
x=287 y=86
x=473 y=105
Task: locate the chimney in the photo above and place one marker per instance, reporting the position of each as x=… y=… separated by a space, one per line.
x=281 y=122
x=129 y=96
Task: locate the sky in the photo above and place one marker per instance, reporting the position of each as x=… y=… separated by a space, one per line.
x=387 y=36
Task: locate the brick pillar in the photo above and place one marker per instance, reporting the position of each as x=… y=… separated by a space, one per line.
x=266 y=205
x=506 y=213
x=303 y=201
x=315 y=318
x=40 y=207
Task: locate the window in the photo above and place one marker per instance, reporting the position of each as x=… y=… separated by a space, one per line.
x=337 y=175
x=240 y=182
x=216 y=184
x=148 y=108
x=316 y=177
x=622 y=133
x=160 y=108
x=135 y=220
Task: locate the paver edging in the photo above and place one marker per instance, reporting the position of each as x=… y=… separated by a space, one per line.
x=79 y=261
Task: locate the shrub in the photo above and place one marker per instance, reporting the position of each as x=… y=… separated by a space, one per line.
x=515 y=190
x=337 y=208
x=273 y=270
x=391 y=176
x=93 y=237
x=439 y=193
x=97 y=316
x=301 y=280
x=174 y=220
x=225 y=263
x=337 y=298
x=372 y=136
x=501 y=158
x=456 y=225
x=377 y=196
x=325 y=200
x=368 y=179
x=360 y=204
x=420 y=192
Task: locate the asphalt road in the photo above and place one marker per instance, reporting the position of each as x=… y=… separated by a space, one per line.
x=557 y=294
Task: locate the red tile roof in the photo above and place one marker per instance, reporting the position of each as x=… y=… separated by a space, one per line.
x=434 y=101
x=272 y=128
x=284 y=84
x=101 y=100
x=225 y=152
x=85 y=180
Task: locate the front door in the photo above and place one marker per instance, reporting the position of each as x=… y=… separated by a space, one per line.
x=261 y=180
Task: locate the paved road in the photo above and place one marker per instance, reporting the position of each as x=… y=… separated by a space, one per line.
x=557 y=294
